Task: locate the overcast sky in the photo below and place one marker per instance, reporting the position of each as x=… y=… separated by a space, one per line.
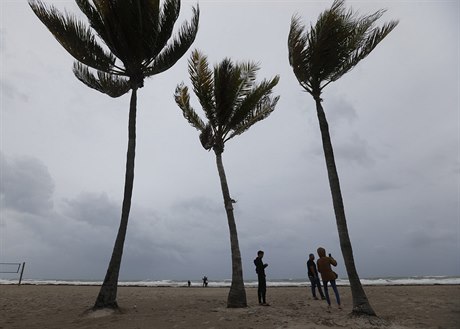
x=394 y=122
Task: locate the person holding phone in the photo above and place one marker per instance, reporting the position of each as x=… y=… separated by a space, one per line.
x=327 y=274
x=262 y=283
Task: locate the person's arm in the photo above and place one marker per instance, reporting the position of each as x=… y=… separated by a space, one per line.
x=332 y=261
x=312 y=271
x=259 y=265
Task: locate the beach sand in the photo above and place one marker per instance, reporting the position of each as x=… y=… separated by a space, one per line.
x=65 y=307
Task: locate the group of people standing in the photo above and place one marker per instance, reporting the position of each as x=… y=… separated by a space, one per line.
x=323 y=266
x=327 y=275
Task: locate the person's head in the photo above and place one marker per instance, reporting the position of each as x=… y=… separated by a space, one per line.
x=260 y=254
x=321 y=252
x=311 y=256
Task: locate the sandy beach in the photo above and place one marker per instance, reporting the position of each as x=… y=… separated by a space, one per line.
x=48 y=307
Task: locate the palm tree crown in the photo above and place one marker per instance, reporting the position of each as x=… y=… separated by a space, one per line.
x=231 y=99
x=331 y=48
x=134 y=35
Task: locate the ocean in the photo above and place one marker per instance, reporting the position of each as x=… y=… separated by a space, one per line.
x=390 y=281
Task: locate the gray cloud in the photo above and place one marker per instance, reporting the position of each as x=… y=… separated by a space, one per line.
x=94 y=209
x=394 y=131
x=339 y=109
x=26 y=185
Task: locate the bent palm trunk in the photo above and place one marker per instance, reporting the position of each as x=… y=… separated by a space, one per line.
x=237 y=295
x=107 y=297
x=361 y=304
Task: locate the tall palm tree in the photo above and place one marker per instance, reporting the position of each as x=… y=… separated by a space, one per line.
x=232 y=102
x=125 y=42
x=331 y=48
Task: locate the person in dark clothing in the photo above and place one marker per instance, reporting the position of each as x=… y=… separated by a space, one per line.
x=314 y=278
x=262 y=283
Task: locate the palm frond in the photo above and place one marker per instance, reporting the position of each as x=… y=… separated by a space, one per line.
x=150 y=16
x=93 y=16
x=262 y=111
x=227 y=82
x=257 y=95
x=248 y=77
x=182 y=98
x=109 y=84
x=247 y=71
x=368 y=44
x=174 y=51
x=299 y=57
x=74 y=36
x=123 y=29
x=203 y=83
x=107 y=24
x=167 y=18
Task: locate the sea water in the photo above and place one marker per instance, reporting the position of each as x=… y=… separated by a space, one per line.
x=390 y=281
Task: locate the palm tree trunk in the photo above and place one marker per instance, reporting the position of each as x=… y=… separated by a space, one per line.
x=237 y=295
x=107 y=297
x=361 y=304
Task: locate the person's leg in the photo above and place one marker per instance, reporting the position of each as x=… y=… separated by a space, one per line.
x=326 y=293
x=259 y=293
x=264 y=291
x=336 y=292
x=313 y=284
x=318 y=283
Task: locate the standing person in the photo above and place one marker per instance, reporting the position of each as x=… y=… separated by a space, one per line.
x=327 y=274
x=205 y=281
x=314 y=278
x=262 y=283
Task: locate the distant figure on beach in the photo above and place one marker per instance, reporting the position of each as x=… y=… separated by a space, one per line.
x=262 y=283
x=205 y=281
x=189 y=283
x=327 y=274
x=314 y=278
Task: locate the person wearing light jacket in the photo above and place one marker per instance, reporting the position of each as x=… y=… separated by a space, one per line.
x=327 y=274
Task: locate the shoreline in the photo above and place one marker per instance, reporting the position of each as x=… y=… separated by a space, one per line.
x=225 y=287
x=212 y=284
x=66 y=306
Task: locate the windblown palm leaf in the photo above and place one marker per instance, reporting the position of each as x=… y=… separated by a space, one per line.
x=232 y=102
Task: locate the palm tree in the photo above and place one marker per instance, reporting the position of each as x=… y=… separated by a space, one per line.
x=331 y=48
x=125 y=42
x=232 y=102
